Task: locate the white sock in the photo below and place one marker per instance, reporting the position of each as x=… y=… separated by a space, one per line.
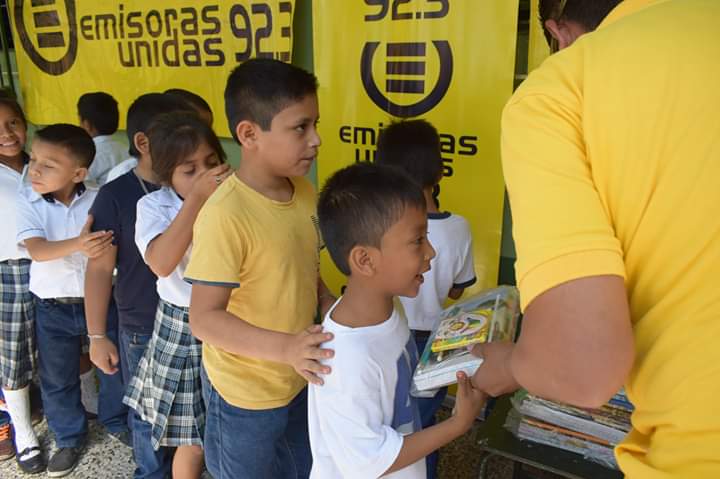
x=89 y=391
x=18 y=405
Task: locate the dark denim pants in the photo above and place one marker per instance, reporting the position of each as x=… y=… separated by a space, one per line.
x=257 y=444
x=60 y=329
x=149 y=463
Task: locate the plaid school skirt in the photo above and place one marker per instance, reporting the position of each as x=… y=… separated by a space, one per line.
x=18 y=351
x=165 y=390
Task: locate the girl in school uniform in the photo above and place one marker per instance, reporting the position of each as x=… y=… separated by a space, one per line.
x=17 y=306
x=166 y=391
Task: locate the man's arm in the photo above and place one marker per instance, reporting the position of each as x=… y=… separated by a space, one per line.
x=98 y=291
x=212 y=323
x=576 y=345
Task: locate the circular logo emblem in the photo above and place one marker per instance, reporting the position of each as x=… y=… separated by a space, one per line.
x=405 y=70
x=52 y=47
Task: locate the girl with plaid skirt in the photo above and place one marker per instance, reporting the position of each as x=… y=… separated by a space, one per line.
x=17 y=306
x=166 y=391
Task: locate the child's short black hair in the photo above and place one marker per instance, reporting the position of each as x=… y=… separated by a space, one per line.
x=174 y=137
x=192 y=99
x=260 y=88
x=414 y=147
x=100 y=109
x=359 y=203
x=71 y=137
x=143 y=111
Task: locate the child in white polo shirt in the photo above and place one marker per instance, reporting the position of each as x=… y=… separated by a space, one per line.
x=54 y=226
x=413 y=146
x=165 y=390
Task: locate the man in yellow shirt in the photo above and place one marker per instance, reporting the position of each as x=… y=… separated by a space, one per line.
x=611 y=154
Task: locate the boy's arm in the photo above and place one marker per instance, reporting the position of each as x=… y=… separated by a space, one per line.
x=466 y=277
x=165 y=252
x=90 y=244
x=212 y=323
x=420 y=444
x=98 y=289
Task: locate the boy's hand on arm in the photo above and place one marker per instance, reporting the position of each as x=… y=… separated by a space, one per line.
x=303 y=353
x=93 y=244
x=212 y=323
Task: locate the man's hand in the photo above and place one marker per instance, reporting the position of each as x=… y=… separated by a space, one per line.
x=469 y=402
x=94 y=244
x=104 y=355
x=304 y=353
x=494 y=376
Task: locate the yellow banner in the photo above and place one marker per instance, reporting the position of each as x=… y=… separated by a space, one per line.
x=126 y=48
x=448 y=61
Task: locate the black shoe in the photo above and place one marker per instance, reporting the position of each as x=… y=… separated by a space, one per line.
x=63 y=461
x=32 y=465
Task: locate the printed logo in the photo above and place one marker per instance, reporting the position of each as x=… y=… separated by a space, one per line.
x=49 y=35
x=405 y=68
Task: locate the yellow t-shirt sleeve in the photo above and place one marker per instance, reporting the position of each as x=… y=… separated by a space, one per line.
x=562 y=229
x=218 y=249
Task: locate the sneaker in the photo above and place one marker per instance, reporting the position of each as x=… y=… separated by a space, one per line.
x=31 y=465
x=63 y=461
x=123 y=437
x=7 y=449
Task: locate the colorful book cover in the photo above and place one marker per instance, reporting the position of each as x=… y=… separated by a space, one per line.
x=490 y=315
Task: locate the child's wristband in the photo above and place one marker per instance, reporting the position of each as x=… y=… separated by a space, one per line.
x=96 y=336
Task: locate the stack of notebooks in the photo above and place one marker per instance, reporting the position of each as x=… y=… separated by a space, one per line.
x=590 y=432
x=491 y=315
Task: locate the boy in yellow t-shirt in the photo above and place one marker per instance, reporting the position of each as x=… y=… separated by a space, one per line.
x=254 y=271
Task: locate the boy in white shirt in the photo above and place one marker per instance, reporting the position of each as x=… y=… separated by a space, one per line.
x=363 y=423
x=413 y=146
x=53 y=224
x=99 y=116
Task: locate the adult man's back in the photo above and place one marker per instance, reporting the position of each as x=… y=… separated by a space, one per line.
x=611 y=152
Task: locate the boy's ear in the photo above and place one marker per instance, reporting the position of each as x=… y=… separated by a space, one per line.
x=142 y=143
x=85 y=124
x=80 y=175
x=246 y=132
x=362 y=261
x=564 y=32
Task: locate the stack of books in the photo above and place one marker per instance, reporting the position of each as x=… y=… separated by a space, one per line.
x=590 y=432
x=491 y=315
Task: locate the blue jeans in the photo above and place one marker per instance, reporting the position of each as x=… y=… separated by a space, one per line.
x=149 y=463
x=428 y=407
x=60 y=329
x=257 y=444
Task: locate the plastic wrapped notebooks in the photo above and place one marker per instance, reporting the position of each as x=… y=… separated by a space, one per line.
x=487 y=316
